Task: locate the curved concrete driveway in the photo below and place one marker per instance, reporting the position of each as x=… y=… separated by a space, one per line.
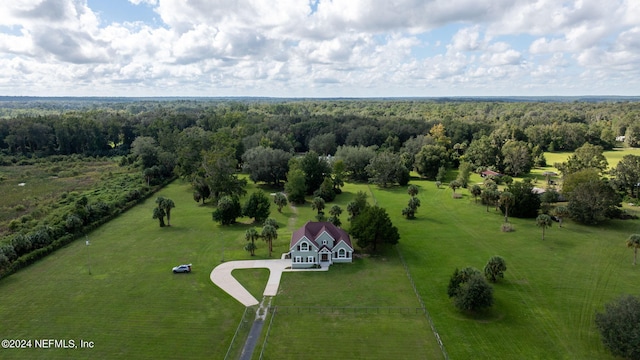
x=221 y=276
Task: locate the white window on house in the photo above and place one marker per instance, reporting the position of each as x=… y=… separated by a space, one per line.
x=342 y=254
x=304 y=247
x=297 y=259
x=324 y=242
x=310 y=259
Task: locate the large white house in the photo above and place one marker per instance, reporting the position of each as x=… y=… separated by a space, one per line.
x=319 y=243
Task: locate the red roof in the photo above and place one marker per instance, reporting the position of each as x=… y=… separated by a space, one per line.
x=313 y=229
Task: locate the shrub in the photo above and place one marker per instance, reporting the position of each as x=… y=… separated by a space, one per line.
x=21 y=244
x=8 y=251
x=470 y=290
x=495 y=268
x=475 y=294
x=15 y=225
x=507 y=227
x=619 y=326
x=4 y=263
x=65 y=174
x=73 y=223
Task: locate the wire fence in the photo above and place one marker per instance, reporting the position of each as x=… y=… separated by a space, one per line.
x=272 y=310
x=413 y=284
x=346 y=310
x=363 y=316
x=423 y=307
x=240 y=336
x=359 y=310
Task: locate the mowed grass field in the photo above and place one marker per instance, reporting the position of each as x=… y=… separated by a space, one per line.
x=132 y=306
x=545 y=305
x=363 y=310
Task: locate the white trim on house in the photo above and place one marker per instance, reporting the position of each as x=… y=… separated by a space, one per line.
x=319 y=243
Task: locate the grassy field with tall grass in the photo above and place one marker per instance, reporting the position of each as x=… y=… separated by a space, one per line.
x=27 y=189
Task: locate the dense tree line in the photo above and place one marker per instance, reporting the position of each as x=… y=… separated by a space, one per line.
x=209 y=142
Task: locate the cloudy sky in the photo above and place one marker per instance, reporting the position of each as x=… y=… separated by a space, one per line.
x=319 y=48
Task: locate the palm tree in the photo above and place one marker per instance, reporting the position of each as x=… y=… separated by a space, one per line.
x=544 y=221
x=455 y=184
x=166 y=205
x=412 y=207
x=272 y=222
x=269 y=233
x=251 y=235
x=412 y=190
x=158 y=213
x=634 y=242
x=475 y=190
x=560 y=212
x=280 y=200
x=318 y=204
x=335 y=212
x=489 y=196
x=495 y=268
x=506 y=200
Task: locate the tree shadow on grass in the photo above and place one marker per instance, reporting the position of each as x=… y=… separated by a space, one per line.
x=270 y=188
x=422 y=219
x=485 y=316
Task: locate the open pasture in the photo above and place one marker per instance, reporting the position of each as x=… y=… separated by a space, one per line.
x=544 y=307
x=132 y=306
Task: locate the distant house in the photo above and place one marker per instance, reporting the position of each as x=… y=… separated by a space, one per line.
x=319 y=243
x=489 y=173
x=538 y=191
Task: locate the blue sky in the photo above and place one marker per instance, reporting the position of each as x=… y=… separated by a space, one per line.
x=319 y=48
x=120 y=11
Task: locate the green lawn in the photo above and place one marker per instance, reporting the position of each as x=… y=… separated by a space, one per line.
x=545 y=305
x=132 y=306
x=613 y=156
x=376 y=315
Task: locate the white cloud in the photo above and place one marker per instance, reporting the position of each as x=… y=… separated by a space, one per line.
x=467 y=39
x=346 y=48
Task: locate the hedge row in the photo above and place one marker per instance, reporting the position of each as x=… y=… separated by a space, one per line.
x=36 y=254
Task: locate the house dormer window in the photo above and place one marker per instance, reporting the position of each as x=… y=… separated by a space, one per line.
x=304 y=247
x=324 y=242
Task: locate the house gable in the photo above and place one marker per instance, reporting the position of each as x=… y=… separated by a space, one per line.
x=324 y=239
x=319 y=243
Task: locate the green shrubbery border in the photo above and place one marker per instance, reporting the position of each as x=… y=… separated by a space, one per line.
x=117 y=208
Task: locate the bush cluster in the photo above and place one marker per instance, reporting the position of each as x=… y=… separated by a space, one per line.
x=70 y=218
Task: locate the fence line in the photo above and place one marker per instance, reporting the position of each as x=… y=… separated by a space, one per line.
x=423 y=307
x=348 y=310
x=274 y=310
x=241 y=325
x=426 y=312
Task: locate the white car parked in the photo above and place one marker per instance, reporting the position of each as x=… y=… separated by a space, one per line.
x=182 y=269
